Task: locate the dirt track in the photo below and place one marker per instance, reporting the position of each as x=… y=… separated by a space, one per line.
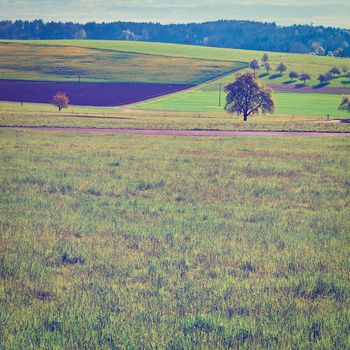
x=157 y=132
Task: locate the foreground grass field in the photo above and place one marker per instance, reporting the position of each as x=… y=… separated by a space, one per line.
x=129 y=242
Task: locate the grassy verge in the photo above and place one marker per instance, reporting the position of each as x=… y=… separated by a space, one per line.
x=12 y=114
x=171 y=242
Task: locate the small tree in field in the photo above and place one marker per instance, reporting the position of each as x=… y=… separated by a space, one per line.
x=60 y=100
x=322 y=78
x=267 y=66
x=248 y=97
x=254 y=64
x=281 y=68
x=304 y=77
x=345 y=104
x=334 y=71
x=329 y=76
x=265 y=58
x=293 y=75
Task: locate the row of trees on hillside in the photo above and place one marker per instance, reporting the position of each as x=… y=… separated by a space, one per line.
x=232 y=34
x=333 y=73
x=281 y=68
x=265 y=63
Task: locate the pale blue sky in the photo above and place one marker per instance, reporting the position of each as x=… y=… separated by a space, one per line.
x=326 y=12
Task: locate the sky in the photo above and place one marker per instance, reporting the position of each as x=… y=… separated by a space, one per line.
x=335 y=13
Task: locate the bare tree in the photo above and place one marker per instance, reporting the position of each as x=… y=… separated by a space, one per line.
x=248 y=97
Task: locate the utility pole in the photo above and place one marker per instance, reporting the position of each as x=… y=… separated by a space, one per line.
x=79 y=90
x=220 y=95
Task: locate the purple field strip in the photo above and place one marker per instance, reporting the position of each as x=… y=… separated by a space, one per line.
x=85 y=94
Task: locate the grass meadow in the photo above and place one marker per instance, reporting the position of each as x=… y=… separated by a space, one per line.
x=130 y=242
x=66 y=63
x=314 y=65
x=292 y=104
x=107 y=61
x=13 y=114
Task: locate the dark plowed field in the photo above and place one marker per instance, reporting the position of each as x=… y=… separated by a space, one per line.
x=84 y=94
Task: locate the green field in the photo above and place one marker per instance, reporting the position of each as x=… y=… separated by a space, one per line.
x=292 y=104
x=130 y=242
x=313 y=65
x=13 y=114
x=66 y=63
x=120 y=61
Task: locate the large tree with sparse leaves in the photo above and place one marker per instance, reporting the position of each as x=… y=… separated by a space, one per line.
x=247 y=96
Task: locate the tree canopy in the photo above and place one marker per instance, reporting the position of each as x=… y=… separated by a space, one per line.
x=60 y=100
x=247 y=96
x=267 y=66
x=293 y=75
x=304 y=77
x=345 y=104
x=254 y=64
x=334 y=71
x=281 y=68
x=265 y=58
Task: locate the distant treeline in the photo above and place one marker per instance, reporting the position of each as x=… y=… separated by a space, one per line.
x=317 y=40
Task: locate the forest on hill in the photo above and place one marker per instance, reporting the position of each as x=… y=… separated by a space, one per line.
x=247 y=35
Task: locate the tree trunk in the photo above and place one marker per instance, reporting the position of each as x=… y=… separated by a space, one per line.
x=245 y=117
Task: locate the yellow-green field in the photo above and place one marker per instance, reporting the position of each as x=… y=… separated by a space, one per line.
x=25 y=61
x=314 y=65
x=131 y=242
x=207 y=100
